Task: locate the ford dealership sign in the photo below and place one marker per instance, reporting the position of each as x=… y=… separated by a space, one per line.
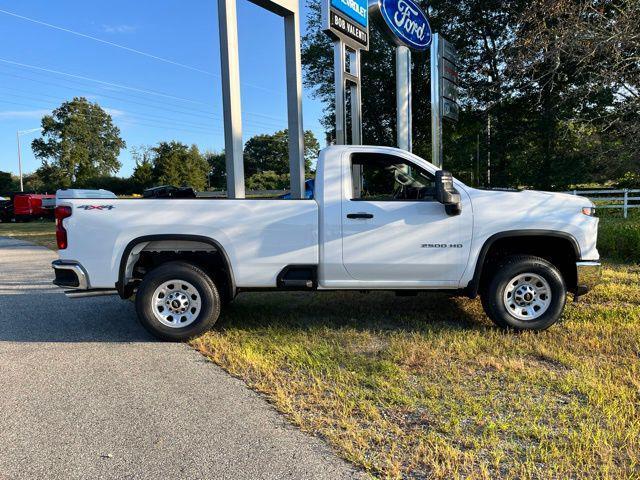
x=406 y=22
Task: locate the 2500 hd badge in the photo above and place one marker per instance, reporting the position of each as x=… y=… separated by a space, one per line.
x=441 y=245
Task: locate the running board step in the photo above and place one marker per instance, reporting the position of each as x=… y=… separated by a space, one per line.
x=296 y=283
x=298 y=277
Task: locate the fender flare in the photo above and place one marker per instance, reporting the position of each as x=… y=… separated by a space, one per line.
x=474 y=285
x=122 y=287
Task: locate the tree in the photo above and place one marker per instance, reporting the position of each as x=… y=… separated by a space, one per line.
x=271 y=153
x=479 y=29
x=79 y=141
x=195 y=169
x=7 y=183
x=583 y=55
x=541 y=85
x=217 y=170
x=175 y=163
x=268 y=180
x=143 y=172
x=33 y=183
x=50 y=178
x=117 y=185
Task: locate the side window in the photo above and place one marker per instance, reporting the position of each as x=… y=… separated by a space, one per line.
x=389 y=178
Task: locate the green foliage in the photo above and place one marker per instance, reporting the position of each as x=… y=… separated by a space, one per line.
x=79 y=141
x=7 y=183
x=117 y=185
x=629 y=180
x=266 y=161
x=619 y=238
x=217 y=170
x=175 y=163
x=49 y=178
x=268 y=180
x=266 y=152
x=540 y=119
x=143 y=172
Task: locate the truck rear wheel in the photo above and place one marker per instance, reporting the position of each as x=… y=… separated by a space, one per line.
x=525 y=293
x=177 y=301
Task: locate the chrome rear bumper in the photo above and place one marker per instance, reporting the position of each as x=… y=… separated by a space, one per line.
x=589 y=275
x=70 y=275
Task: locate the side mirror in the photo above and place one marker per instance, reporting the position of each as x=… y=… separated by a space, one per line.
x=446 y=193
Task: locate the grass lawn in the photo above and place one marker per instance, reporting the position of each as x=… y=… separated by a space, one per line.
x=41 y=232
x=425 y=387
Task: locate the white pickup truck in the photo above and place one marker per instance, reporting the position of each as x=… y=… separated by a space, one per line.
x=380 y=219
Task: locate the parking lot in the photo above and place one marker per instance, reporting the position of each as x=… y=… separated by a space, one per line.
x=86 y=393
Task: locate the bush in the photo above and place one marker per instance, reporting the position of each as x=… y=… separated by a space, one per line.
x=629 y=180
x=619 y=239
x=268 y=180
x=117 y=185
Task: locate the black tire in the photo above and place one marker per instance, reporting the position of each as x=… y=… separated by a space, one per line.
x=209 y=299
x=494 y=302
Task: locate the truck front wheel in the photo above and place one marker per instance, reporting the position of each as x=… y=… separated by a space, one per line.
x=177 y=301
x=525 y=293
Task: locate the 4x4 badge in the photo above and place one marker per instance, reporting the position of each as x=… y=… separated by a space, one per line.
x=97 y=207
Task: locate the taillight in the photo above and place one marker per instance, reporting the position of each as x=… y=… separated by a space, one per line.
x=61 y=234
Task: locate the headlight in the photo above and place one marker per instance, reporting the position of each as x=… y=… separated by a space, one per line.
x=589 y=211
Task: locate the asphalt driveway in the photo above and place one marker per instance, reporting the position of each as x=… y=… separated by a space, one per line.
x=87 y=393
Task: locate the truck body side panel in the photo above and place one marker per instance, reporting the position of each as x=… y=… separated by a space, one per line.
x=260 y=237
x=537 y=212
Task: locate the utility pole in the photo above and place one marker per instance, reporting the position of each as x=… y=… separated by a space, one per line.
x=19 y=161
x=18 y=133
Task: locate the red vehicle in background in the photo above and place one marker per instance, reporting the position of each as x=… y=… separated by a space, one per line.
x=29 y=206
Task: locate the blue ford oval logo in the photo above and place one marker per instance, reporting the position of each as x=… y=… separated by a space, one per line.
x=407 y=22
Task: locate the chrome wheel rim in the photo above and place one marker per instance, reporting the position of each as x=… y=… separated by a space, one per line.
x=527 y=296
x=176 y=303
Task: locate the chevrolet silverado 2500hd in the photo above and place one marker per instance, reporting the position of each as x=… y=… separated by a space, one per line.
x=380 y=219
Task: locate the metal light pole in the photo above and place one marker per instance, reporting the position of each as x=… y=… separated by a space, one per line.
x=18 y=133
x=19 y=160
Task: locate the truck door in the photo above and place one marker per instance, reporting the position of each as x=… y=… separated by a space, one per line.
x=393 y=229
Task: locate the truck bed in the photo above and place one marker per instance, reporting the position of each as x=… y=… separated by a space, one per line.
x=260 y=237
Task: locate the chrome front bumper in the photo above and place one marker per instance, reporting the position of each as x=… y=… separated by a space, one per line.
x=589 y=275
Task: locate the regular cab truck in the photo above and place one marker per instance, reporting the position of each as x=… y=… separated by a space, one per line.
x=380 y=219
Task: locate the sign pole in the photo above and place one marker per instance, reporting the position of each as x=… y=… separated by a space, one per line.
x=407 y=27
x=294 y=105
x=347 y=23
x=233 y=144
x=436 y=108
x=356 y=101
x=338 y=64
x=403 y=98
x=444 y=92
x=232 y=107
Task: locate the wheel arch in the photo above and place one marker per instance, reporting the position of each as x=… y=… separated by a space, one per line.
x=474 y=285
x=125 y=289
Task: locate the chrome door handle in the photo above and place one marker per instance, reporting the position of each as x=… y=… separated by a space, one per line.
x=359 y=215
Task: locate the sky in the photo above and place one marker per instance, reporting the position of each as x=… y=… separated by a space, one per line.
x=161 y=81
